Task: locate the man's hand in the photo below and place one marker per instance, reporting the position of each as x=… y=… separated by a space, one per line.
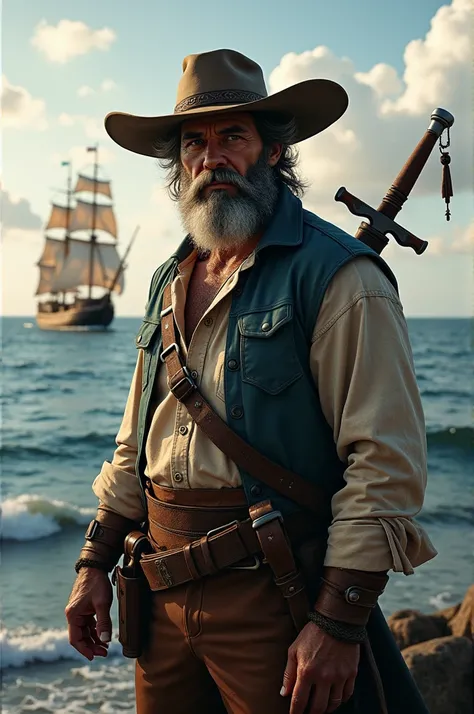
x=320 y=672
x=88 y=613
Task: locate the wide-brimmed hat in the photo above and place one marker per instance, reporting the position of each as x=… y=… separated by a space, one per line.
x=225 y=81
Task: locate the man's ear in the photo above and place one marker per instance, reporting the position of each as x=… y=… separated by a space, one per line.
x=274 y=154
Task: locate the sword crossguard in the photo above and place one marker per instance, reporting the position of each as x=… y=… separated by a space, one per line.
x=380 y=223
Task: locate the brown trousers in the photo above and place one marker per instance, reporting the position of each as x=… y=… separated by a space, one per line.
x=223 y=638
x=231 y=630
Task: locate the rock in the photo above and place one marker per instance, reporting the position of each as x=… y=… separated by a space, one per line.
x=409 y=627
x=462 y=622
x=443 y=669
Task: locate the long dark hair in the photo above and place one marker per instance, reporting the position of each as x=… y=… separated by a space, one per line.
x=272 y=129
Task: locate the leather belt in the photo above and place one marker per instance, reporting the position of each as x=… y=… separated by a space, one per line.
x=220 y=548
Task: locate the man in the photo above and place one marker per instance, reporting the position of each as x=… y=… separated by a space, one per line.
x=294 y=335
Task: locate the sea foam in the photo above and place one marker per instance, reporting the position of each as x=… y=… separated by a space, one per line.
x=29 y=645
x=29 y=517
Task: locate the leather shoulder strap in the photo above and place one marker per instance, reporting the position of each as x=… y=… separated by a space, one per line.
x=183 y=387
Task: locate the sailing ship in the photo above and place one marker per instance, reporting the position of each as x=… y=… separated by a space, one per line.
x=80 y=253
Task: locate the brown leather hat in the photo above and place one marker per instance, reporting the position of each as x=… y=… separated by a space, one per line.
x=225 y=81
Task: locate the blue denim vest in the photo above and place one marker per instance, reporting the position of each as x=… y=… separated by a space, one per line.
x=271 y=398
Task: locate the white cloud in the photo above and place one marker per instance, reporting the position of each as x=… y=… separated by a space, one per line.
x=85 y=91
x=463 y=240
x=106 y=86
x=93 y=127
x=387 y=116
x=20 y=110
x=68 y=39
x=16 y=213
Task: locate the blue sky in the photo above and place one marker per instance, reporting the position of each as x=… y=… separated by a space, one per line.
x=139 y=55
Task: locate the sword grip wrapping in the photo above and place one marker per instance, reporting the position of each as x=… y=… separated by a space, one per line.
x=406 y=179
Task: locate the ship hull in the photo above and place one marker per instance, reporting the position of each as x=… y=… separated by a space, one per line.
x=87 y=314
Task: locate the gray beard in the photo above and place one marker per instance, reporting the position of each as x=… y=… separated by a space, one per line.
x=222 y=220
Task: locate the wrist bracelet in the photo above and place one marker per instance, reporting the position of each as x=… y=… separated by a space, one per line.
x=354 y=634
x=86 y=563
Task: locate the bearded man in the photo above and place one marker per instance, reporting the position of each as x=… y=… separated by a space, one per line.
x=273 y=443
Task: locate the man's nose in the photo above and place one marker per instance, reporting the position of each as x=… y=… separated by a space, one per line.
x=214 y=157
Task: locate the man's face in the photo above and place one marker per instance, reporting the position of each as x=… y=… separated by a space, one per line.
x=228 y=186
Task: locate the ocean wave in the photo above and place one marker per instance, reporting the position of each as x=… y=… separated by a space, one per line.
x=448 y=515
x=29 y=645
x=29 y=517
x=69 y=446
x=461 y=437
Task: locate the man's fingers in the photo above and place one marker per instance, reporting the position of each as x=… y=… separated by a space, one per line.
x=81 y=643
x=289 y=675
x=320 y=696
x=348 y=689
x=335 y=698
x=300 y=697
x=104 y=623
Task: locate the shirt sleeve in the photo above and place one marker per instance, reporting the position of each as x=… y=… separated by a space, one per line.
x=117 y=486
x=362 y=364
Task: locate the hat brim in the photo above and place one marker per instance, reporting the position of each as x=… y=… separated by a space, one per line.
x=315 y=104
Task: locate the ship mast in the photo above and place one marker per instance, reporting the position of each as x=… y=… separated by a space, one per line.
x=94 y=209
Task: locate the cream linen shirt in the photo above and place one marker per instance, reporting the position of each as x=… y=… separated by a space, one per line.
x=363 y=368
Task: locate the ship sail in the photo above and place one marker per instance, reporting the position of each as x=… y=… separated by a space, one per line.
x=58 y=217
x=83 y=218
x=84 y=183
x=73 y=270
x=53 y=251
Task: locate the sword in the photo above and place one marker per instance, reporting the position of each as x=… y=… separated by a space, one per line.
x=381 y=220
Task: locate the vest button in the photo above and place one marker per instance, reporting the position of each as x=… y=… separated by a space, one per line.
x=237 y=412
x=178 y=477
x=194 y=374
x=256 y=490
x=266 y=326
x=208 y=321
x=183 y=430
x=233 y=364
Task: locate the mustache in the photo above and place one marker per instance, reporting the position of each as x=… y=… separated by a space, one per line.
x=206 y=178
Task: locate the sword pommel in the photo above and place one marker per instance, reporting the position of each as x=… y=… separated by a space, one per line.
x=440 y=120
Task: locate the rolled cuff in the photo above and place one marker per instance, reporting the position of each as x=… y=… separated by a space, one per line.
x=376 y=544
x=119 y=491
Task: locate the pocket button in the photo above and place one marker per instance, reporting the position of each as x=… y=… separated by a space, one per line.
x=266 y=326
x=233 y=364
x=237 y=412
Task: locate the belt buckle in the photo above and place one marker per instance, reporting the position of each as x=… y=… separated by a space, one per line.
x=187 y=378
x=256 y=560
x=267 y=518
x=165 y=352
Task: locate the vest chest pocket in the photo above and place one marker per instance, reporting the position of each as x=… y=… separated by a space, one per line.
x=267 y=349
x=148 y=340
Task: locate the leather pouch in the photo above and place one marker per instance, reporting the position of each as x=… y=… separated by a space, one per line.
x=132 y=597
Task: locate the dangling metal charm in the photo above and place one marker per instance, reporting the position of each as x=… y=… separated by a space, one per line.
x=446 y=182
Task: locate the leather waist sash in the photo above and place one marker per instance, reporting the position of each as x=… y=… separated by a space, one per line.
x=193 y=541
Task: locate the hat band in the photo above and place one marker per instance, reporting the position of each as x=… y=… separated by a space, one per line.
x=223 y=96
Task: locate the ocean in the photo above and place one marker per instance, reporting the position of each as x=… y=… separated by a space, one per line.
x=63 y=397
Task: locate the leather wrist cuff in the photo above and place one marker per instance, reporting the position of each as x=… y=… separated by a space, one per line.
x=105 y=538
x=349 y=595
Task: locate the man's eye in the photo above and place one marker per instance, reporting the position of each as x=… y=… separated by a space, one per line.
x=234 y=137
x=193 y=143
